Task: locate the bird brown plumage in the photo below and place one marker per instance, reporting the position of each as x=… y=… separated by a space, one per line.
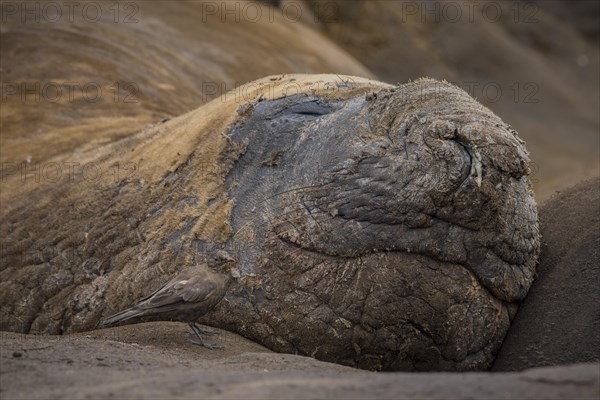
x=187 y=297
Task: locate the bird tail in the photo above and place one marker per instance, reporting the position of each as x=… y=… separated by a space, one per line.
x=122 y=316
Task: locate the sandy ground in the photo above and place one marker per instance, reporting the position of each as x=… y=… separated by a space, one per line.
x=154 y=361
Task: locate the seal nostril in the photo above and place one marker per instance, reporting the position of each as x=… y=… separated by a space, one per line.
x=442 y=129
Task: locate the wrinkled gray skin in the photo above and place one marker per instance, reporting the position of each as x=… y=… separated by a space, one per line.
x=390 y=231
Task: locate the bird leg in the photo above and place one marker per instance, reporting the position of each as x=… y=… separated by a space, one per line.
x=204 y=331
x=198 y=339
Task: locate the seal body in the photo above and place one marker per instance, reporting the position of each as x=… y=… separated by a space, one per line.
x=559 y=321
x=376 y=226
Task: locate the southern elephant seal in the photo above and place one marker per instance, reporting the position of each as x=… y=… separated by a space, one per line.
x=138 y=63
x=376 y=226
x=559 y=321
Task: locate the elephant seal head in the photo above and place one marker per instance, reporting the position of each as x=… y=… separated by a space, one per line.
x=390 y=230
